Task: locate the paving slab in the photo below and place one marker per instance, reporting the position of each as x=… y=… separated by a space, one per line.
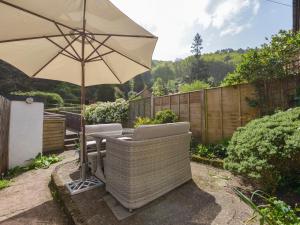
x=206 y=199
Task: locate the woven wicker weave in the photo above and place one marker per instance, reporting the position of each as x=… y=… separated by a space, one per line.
x=138 y=172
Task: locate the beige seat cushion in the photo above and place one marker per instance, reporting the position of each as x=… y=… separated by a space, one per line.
x=113 y=128
x=161 y=130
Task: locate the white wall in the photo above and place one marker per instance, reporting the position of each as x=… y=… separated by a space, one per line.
x=25 y=132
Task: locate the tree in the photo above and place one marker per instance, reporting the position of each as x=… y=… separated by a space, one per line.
x=198 y=71
x=158 y=87
x=171 y=86
x=197 y=46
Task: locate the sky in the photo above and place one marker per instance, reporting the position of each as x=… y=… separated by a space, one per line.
x=221 y=23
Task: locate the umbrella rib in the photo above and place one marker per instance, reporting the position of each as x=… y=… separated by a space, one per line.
x=125 y=35
x=121 y=53
x=96 y=49
x=96 y=57
x=69 y=44
x=36 y=14
x=34 y=38
x=104 y=62
x=53 y=58
x=67 y=40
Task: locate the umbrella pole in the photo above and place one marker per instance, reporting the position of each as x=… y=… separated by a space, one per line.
x=82 y=124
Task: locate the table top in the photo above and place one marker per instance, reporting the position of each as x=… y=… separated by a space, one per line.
x=114 y=134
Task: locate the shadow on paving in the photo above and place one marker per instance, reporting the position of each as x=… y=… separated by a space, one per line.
x=186 y=205
x=47 y=213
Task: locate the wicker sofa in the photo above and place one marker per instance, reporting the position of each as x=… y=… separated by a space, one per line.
x=153 y=163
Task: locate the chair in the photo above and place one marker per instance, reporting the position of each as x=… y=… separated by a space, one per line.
x=91 y=142
x=153 y=163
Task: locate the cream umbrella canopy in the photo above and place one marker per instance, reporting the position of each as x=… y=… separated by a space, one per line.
x=84 y=42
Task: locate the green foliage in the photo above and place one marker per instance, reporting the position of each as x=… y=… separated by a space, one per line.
x=272 y=211
x=194 y=86
x=212 y=151
x=107 y=112
x=158 y=87
x=267 y=150
x=232 y=79
x=43 y=161
x=171 y=87
x=4 y=183
x=49 y=99
x=143 y=121
x=39 y=162
x=166 y=116
x=269 y=61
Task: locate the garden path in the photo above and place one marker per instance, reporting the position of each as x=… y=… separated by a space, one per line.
x=28 y=201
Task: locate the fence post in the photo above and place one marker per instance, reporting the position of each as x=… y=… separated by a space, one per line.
x=240 y=105
x=221 y=107
x=189 y=109
x=152 y=106
x=179 y=106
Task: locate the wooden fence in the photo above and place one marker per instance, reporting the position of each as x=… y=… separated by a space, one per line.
x=216 y=113
x=4 y=133
x=54 y=130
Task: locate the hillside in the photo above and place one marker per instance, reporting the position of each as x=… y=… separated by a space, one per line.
x=217 y=64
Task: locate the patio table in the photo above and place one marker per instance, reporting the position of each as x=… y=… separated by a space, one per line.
x=99 y=137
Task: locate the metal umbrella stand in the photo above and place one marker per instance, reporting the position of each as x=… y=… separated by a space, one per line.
x=84 y=42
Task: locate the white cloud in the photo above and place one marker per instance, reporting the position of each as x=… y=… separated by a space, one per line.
x=172 y=20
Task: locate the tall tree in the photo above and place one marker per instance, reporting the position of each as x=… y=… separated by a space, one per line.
x=158 y=88
x=197 y=46
x=198 y=70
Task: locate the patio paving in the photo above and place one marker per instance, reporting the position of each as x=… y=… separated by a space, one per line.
x=28 y=201
x=207 y=199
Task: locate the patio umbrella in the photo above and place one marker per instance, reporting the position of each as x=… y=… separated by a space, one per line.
x=84 y=42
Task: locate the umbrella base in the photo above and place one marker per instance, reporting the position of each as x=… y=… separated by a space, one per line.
x=79 y=186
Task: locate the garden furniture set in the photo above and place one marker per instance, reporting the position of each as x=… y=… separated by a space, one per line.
x=142 y=164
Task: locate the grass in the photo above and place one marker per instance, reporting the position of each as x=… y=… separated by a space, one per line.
x=40 y=162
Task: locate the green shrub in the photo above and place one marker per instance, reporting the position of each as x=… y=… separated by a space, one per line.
x=166 y=116
x=49 y=99
x=194 y=86
x=267 y=150
x=272 y=211
x=107 y=112
x=143 y=121
x=212 y=151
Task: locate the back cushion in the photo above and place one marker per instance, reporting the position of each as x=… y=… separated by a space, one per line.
x=114 y=128
x=162 y=130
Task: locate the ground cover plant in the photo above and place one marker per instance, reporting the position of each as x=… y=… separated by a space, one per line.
x=269 y=210
x=267 y=150
x=161 y=117
x=39 y=162
x=211 y=151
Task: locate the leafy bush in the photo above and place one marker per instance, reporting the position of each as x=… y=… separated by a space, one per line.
x=194 y=86
x=49 y=99
x=268 y=150
x=232 y=79
x=143 y=121
x=107 y=112
x=43 y=162
x=272 y=211
x=166 y=116
x=212 y=151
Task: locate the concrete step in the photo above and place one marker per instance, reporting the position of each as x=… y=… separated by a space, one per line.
x=71 y=141
x=70 y=147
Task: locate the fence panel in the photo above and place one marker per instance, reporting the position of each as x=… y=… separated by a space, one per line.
x=216 y=113
x=53 y=133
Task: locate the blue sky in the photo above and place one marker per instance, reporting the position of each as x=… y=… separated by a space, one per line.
x=221 y=23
